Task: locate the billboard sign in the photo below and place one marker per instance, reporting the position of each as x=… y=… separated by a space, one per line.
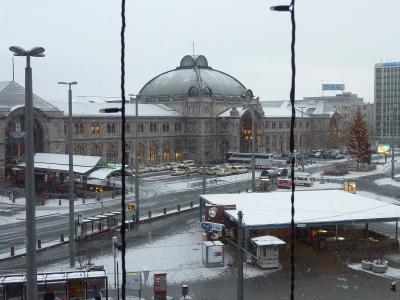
x=391 y=64
x=333 y=87
x=383 y=149
x=134 y=281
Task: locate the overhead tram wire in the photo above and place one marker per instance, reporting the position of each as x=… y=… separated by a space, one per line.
x=123 y=122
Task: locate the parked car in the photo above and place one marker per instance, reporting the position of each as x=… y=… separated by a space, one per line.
x=212 y=170
x=282 y=172
x=303 y=179
x=191 y=170
x=284 y=183
x=186 y=163
x=223 y=171
x=177 y=172
x=340 y=156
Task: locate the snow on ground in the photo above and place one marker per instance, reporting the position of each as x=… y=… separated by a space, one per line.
x=179 y=254
x=390 y=273
x=387 y=181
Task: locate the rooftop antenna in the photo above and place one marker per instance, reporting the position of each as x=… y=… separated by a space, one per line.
x=193 y=47
x=13 y=67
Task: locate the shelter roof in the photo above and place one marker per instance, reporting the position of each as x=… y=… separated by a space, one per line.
x=267 y=240
x=60 y=162
x=324 y=207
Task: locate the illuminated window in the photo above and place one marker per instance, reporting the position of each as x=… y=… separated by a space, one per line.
x=178 y=151
x=165 y=151
x=79 y=149
x=95 y=150
x=153 y=152
x=95 y=128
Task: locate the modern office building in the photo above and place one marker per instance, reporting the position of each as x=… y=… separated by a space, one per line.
x=387 y=102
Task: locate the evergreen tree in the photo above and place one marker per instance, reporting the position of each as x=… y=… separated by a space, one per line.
x=357 y=140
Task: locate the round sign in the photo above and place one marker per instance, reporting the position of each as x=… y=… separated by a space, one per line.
x=212 y=212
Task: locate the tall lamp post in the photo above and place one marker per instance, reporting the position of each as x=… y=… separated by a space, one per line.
x=249 y=97
x=136 y=158
x=31 y=280
x=71 y=243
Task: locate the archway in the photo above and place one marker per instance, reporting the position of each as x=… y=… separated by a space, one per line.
x=15 y=143
x=246 y=132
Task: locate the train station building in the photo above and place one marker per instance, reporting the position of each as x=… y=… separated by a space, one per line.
x=190 y=112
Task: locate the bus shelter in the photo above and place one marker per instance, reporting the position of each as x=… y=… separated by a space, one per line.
x=328 y=219
x=97 y=224
x=76 y=285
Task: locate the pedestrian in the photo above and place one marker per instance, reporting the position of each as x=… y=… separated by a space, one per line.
x=49 y=295
x=96 y=293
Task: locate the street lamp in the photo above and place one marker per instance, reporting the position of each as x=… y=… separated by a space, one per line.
x=31 y=280
x=71 y=177
x=249 y=98
x=136 y=158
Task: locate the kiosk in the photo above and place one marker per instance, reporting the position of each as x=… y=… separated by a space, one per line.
x=267 y=251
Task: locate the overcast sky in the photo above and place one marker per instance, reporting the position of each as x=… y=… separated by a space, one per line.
x=337 y=41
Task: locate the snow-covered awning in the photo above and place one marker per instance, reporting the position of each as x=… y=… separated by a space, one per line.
x=60 y=162
x=267 y=240
x=312 y=208
x=101 y=173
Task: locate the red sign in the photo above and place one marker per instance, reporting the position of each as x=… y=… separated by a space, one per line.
x=215 y=213
x=160 y=286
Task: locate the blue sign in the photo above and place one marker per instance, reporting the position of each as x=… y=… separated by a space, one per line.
x=209 y=226
x=391 y=64
x=332 y=87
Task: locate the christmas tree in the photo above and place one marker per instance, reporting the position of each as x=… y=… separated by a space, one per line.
x=357 y=140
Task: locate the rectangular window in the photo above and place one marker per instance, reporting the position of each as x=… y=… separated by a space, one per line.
x=95 y=128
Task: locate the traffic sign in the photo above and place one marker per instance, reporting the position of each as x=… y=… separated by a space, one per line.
x=210 y=226
x=131 y=206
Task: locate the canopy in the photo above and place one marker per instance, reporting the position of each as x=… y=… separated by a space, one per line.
x=312 y=208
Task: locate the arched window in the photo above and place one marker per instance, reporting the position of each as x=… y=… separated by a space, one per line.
x=178 y=151
x=112 y=153
x=153 y=152
x=79 y=149
x=165 y=151
x=141 y=152
x=95 y=150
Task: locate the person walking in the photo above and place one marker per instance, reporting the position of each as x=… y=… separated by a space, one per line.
x=49 y=295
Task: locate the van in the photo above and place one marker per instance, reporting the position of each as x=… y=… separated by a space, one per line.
x=186 y=164
x=303 y=179
x=236 y=169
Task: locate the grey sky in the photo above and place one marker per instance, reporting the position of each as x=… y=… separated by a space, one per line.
x=337 y=41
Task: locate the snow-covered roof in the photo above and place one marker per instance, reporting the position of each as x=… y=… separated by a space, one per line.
x=282 y=109
x=60 y=162
x=101 y=173
x=46 y=277
x=227 y=113
x=266 y=240
x=323 y=207
x=93 y=109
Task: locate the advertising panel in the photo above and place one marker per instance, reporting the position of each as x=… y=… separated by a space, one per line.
x=215 y=254
x=160 y=286
x=332 y=87
x=383 y=149
x=134 y=281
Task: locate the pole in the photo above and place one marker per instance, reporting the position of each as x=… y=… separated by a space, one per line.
x=253 y=176
x=239 y=259
x=392 y=160
x=136 y=160
x=31 y=279
x=71 y=244
x=118 y=282
x=114 y=252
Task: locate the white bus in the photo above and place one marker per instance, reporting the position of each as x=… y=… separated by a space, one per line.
x=261 y=160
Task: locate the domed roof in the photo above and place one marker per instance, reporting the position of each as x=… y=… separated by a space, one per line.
x=192 y=78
